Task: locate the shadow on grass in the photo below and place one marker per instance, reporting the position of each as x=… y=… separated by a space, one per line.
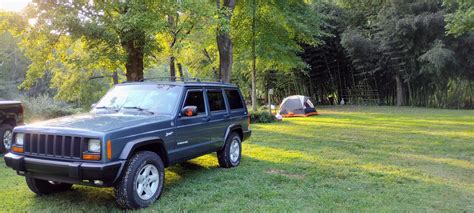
x=293 y=179
x=85 y=198
x=187 y=170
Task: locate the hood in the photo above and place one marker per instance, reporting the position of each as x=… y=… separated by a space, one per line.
x=99 y=122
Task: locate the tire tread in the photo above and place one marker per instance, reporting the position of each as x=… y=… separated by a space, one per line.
x=223 y=155
x=3 y=127
x=124 y=197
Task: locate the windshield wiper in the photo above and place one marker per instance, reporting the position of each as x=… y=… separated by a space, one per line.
x=107 y=108
x=139 y=109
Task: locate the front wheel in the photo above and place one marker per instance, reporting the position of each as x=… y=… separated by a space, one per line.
x=6 y=135
x=230 y=155
x=142 y=182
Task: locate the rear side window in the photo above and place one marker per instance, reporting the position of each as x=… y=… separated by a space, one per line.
x=235 y=102
x=195 y=98
x=216 y=100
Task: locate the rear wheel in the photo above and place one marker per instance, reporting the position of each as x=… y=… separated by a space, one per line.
x=6 y=135
x=230 y=155
x=142 y=182
x=44 y=187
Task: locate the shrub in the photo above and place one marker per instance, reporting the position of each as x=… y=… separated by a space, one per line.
x=261 y=117
x=45 y=107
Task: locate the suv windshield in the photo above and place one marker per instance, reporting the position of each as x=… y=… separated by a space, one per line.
x=149 y=99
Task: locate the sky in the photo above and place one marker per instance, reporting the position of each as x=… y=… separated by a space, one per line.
x=13 y=5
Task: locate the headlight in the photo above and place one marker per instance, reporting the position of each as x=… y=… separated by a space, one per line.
x=94 y=145
x=19 y=139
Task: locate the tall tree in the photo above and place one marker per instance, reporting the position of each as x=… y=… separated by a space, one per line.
x=405 y=49
x=128 y=25
x=268 y=37
x=254 y=55
x=183 y=17
x=224 y=41
x=13 y=65
x=460 y=16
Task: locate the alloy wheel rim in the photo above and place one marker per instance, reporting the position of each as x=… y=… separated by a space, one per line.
x=234 y=150
x=146 y=184
x=7 y=139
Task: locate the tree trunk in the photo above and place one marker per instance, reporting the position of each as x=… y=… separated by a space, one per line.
x=172 y=68
x=470 y=95
x=209 y=59
x=400 y=93
x=115 y=77
x=410 y=95
x=15 y=64
x=180 y=70
x=135 y=52
x=225 y=56
x=254 y=60
x=224 y=42
x=254 y=88
x=172 y=59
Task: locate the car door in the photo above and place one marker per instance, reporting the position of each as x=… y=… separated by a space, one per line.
x=219 y=116
x=192 y=133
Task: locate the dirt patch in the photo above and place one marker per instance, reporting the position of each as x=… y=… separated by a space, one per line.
x=285 y=173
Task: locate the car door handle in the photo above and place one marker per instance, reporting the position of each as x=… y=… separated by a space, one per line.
x=206 y=119
x=226 y=116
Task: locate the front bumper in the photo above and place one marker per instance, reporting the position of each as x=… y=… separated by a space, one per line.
x=65 y=172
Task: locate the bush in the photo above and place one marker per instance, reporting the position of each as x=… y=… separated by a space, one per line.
x=261 y=117
x=45 y=107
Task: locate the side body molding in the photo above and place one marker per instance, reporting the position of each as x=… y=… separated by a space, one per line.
x=132 y=145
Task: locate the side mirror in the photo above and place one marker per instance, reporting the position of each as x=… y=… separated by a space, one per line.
x=189 y=111
x=93 y=105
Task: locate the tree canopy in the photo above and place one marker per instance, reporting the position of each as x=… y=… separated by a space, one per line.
x=409 y=52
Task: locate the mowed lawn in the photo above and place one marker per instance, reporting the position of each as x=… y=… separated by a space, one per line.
x=346 y=158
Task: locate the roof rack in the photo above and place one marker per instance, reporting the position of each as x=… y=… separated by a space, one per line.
x=185 y=80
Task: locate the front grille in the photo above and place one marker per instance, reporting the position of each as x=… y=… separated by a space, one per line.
x=58 y=146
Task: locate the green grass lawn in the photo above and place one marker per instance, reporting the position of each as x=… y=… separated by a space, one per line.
x=346 y=158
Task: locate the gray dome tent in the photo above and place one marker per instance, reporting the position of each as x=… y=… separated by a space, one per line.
x=297 y=105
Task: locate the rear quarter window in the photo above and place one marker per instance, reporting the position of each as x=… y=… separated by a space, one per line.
x=235 y=101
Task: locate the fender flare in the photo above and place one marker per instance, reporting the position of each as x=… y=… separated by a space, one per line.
x=231 y=128
x=10 y=121
x=133 y=145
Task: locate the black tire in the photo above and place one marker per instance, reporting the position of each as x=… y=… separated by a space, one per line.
x=4 y=129
x=126 y=193
x=44 y=187
x=224 y=156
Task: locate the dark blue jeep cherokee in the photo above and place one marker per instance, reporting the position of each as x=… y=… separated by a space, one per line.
x=130 y=136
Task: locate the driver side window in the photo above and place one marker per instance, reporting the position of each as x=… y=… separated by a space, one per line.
x=196 y=98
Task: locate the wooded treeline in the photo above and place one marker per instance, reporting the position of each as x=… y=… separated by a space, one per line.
x=385 y=52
